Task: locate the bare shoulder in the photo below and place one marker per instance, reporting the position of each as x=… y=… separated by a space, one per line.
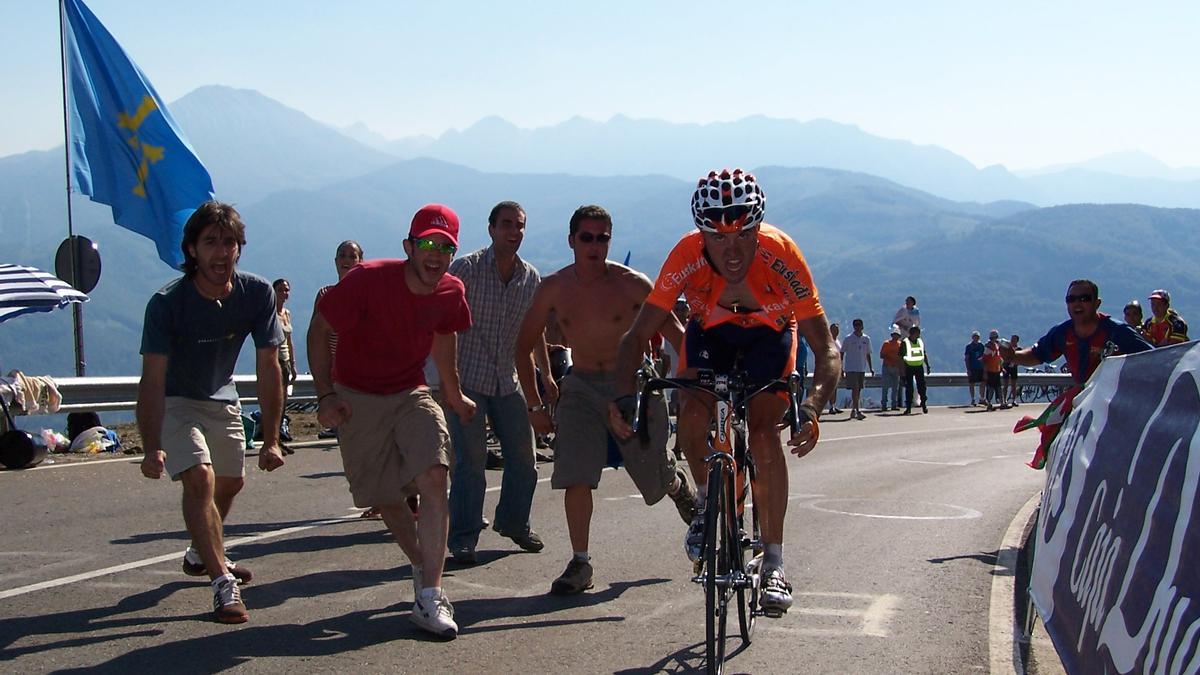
x=631 y=280
x=553 y=285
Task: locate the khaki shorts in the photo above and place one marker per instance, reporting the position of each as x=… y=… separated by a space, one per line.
x=389 y=441
x=581 y=441
x=854 y=380
x=203 y=432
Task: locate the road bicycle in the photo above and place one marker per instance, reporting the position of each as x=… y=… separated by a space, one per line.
x=731 y=527
x=1030 y=393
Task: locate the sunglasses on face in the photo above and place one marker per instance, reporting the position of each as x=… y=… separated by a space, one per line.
x=729 y=214
x=1086 y=297
x=588 y=237
x=430 y=245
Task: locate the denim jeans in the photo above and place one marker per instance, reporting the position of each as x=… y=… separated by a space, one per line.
x=510 y=422
x=891 y=380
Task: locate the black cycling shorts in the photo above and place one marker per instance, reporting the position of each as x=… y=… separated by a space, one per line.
x=767 y=354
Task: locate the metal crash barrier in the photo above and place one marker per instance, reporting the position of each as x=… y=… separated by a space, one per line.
x=120 y=393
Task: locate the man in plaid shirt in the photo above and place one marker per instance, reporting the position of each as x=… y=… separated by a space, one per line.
x=500 y=286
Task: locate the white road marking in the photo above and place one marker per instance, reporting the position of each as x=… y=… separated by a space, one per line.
x=63 y=581
x=912 y=432
x=879 y=614
x=961 y=462
x=964 y=512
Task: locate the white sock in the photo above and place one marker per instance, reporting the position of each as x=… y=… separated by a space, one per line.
x=431 y=593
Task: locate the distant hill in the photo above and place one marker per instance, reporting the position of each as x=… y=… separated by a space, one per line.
x=625 y=146
x=870 y=240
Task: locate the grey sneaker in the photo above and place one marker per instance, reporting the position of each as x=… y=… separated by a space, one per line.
x=193 y=566
x=227 y=600
x=684 y=497
x=776 y=597
x=693 y=543
x=577 y=578
x=435 y=615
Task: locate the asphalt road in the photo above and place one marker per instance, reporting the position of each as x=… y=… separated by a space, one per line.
x=892 y=537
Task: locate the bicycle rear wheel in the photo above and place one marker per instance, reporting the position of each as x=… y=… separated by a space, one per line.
x=716 y=568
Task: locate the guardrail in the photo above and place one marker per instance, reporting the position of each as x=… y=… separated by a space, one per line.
x=120 y=393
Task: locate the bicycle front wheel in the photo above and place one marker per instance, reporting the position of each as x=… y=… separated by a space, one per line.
x=746 y=535
x=716 y=568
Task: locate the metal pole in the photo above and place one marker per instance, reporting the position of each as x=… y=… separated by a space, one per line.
x=76 y=307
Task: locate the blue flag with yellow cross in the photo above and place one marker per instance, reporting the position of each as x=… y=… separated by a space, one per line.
x=126 y=151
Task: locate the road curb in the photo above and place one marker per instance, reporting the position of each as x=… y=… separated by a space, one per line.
x=1004 y=650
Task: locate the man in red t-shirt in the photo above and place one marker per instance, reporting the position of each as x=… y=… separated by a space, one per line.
x=389 y=315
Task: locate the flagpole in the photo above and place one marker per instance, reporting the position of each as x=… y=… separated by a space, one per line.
x=76 y=307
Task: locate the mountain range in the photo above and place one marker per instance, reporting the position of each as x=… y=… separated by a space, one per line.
x=871 y=240
x=624 y=146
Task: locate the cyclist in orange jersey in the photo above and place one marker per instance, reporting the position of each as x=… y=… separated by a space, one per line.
x=749 y=291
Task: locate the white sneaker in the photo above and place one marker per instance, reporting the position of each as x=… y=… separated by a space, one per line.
x=435 y=614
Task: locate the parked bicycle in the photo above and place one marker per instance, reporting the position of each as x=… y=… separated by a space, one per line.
x=731 y=528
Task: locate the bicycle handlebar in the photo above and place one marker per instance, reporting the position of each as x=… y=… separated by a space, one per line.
x=706 y=382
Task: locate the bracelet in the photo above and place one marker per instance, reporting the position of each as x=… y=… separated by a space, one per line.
x=327 y=394
x=537 y=408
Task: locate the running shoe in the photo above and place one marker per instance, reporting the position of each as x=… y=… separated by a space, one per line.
x=193 y=566
x=684 y=497
x=434 y=614
x=227 y=600
x=576 y=579
x=776 y=598
x=693 y=543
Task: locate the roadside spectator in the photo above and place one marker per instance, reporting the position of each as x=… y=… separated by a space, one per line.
x=1082 y=338
x=908 y=315
x=992 y=365
x=835 y=330
x=893 y=367
x=856 y=362
x=188 y=411
x=287 y=358
x=390 y=315
x=916 y=365
x=500 y=285
x=1009 y=373
x=347 y=255
x=1133 y=316
x=973 y=361
x=1166 y=327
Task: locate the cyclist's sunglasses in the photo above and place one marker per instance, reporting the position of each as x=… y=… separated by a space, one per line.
x=1086 y=297
x=588 y=237
x=426 y=244
x=727 y=214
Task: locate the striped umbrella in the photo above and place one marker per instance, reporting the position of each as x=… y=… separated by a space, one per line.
x=28 y=289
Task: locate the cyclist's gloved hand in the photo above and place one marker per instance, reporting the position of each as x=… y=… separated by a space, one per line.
x=804 y=440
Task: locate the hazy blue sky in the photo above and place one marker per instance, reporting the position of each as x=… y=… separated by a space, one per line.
x=1023 y=84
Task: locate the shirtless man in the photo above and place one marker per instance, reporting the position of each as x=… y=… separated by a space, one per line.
x=594 y=301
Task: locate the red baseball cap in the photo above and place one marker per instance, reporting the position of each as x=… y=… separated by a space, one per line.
x=435 y=219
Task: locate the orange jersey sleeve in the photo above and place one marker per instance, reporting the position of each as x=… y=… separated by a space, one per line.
x=684 y=261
